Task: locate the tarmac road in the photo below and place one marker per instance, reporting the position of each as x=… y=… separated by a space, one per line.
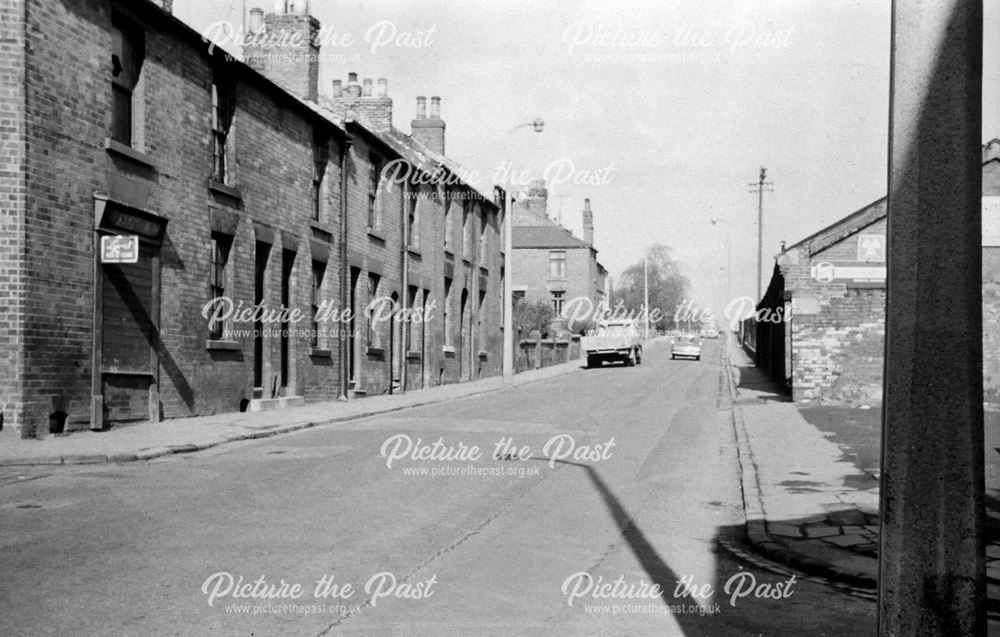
x=329 y=539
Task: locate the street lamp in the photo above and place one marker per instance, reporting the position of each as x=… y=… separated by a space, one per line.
x=536 y=125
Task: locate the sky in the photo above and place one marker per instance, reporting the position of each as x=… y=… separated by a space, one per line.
x=661 y=112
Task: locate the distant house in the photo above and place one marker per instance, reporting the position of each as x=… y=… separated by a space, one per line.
x=550 y=263
x=832 y=283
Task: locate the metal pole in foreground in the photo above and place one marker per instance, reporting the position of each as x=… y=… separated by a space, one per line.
x=931 y=562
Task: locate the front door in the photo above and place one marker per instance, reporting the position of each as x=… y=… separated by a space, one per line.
x=129 y=328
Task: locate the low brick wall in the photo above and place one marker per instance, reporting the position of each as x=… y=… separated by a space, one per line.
x=535 y=352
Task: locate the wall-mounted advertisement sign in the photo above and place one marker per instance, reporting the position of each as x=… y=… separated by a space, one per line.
x=120 y=248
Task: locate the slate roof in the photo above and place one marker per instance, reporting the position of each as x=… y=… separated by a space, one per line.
x=544 y=237
x=840 y=230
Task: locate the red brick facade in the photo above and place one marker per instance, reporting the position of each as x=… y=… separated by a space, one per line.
x=92 y=344
x=835 y=339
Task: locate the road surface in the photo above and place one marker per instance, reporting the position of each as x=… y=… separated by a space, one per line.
x=603 y=516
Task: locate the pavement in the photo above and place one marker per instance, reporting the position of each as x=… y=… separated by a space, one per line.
x=144 y=441
x=810 y=481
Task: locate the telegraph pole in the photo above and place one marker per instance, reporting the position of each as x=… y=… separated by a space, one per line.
x=759 y=188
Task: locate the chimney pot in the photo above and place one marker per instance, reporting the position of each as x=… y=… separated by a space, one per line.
x=337 y=90
x=353 y=89
x=435 y=107
x=421 y=108
x=367 y=92
x=383 y=87
x=256 y=19
x=586 y=204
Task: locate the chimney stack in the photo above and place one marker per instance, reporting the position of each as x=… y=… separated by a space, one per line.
x=357 y=101
x=429 y=130
x=290 y=56
x=588 y=223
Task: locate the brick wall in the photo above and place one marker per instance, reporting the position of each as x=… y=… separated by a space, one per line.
x=67 y=57
x=13 y=198
x=68 y=162
x=837 y=329
x=59 y=102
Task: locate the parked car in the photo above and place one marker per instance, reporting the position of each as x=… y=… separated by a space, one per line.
x=709 y=333
x=613 y=341
x=686 y=347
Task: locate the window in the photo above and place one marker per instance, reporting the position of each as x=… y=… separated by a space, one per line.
x=127 y=54
x=223 y=108
x=318 y=272
x=372 y=330
x=412 y=220
x=557 y=302
x=481 y=337
x=320 y=158
x=447 y=222
x=221 y=243
x=557 y=264
x=445 y=312
x=413 y=302
x=374 y=174
x=466 y=230
x=484 y=220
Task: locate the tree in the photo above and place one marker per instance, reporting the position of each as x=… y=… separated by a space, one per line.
x=667 y=287
x=532 y=316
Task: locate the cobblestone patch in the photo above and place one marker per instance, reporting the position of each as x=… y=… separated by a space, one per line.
x=784 y=530
x=847 y=541
x=821 y=531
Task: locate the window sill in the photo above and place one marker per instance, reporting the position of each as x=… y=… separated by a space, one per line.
x=129 y=153
x=449 y=254
x=415 y=252
x=375 y=233
x=413 y=356
x=484 y=355
x=448 y=351
x=320 y=353
x=375 y=351
x=221 y=345
x=225 y=189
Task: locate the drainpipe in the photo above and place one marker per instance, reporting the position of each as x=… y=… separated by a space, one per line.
x=405 y=257
x=342 y=340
